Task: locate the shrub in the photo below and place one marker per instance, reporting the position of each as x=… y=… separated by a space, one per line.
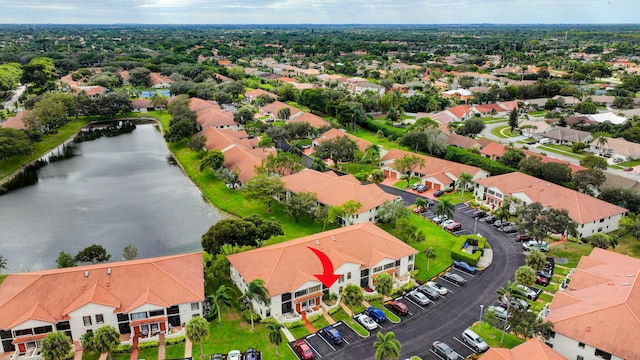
x=389 y=131
x=334 y=310
x=148 y=344
x=315 y=317
x=472 y=259
x=247 y=316
x=123 y=348
x=295 y=324
x=448 y=190
x=176 y=340
x=375 y=297
x=465 y=156
x=396 y=292
x=473 y=203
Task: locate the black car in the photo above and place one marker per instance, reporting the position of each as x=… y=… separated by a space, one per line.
x=490 y=219
x=478 y=214
x=331 y=334
x=438 y=193
x=550 y=265
x=422 y=188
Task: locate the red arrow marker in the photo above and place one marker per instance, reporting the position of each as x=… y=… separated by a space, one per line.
x=328 y=278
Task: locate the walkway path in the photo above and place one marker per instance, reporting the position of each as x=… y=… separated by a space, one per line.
x=161 y=347
x=187 y=348
x=327 y=317
x=78 y=350
x=287 y=334
x=307 y=323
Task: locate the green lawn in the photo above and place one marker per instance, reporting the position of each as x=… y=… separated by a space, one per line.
x=630 y=163
x=342 y=316
x=402 y=184
x=374 y=139
x=456 y=198
x=537 y=113
x=504 y=133
x=553 y=149
x=545 y=297
x=492 y=120
x=2 y=277
x=572 y=251
x=492 y=335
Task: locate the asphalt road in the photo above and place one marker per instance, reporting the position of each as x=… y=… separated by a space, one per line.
x=456 y=311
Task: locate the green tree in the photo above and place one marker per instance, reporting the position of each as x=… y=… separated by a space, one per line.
x=13 y=142
x=392 y=210
x=352 y=296
x=601 y=141
x=256 y=291
x=463 y=180
x=383 y=284
x=603 y=241
x=340 y=148
x=265 y=189
x=586 y=181
x=512 y=157
x=244 y=115
x=106 y=339
x=471 y=127
x=513 y=120
x=229 y=234
x=407 y=164
x=3 y=263
x=302 y=203
x=87 y=340
x=594 y=162
x=445 y=207
x=525 y=275
x=387 y=346
x=129 y=252
x=538 y=221
x=280 y=164
x=266 y=228
x=140 y=77
x=586 y=107
x=527 y=324
x=509 y=292
x=275 y=336
x=213 y=159
x=284 y=113
x=220 y=299
x=536 y=260
x=625 y=197
x=198 y=331
x=630 y=224
x=266 y=142
x=351 y=112
x=65 y=260
x=344 y=213
x=197 y=143
x=93 y=254
x=55 y=346
x=376 y=176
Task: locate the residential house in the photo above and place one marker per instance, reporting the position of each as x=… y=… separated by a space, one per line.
x=334 y=190
x=617 y=148
x=532 y=349
x=601 y=299
x=159 y=81
x=144 y=105
x=579 y=121
x=458 y=95
x=536 y=104
x=223 y=138
x=138 y=297
x=362 y=86
x=358 y=253
x=591 y=214
x=493 y=151
x=331 y=134
x=92 y=91
x=272 y=110
x=209 y=114
x=564 y=101
x=618 y=181
x=459 y=112
x=464 y=142
x=567 y=136
x=436 y=173
x=603 y=99
x=245 y=160
x=536 y=129
x=491 y=108
x=314 y=121
x=251 y=95
x=608 y=116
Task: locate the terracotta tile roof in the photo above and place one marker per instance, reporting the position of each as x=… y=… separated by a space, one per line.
x=461 y=141
x=460 y=111
x=532 y=349
x=157 y=78
x=196 y=104
x=509 y=105
x=335 y=190
x=433 y=166
x=97 y=294
x=493 y=149
x=582 y=208
x=28 y=338
x=314 y=121
x=142 y=104
x=334 y=133
x=604 y=297
x=487 y=108
x=147 y=297
x=124 y=74
x=15 y=122
x=245 y=160
x=49 y=293
x=215 y=118
x=288 y=265
x=275 y=106
x=222 y=138
x=257 y=92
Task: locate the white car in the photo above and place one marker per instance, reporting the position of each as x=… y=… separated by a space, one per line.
x=234 y=355
x=439 y=219
x=366 y=321
x=439 y=288
x=447 y=223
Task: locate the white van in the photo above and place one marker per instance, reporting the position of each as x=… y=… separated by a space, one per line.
x=544 y=141
x=474 y=340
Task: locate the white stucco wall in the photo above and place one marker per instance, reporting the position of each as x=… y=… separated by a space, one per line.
x=571 y=350
x=76 y=321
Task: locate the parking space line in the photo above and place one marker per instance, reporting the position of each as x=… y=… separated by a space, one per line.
x=450 y=282
x=312 y=348
x=436 y=354
x=328 y=343
x=464 y=344
x=414 y=303
x=463 y=272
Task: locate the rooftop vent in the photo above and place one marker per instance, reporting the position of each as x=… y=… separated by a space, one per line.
x=317 y=242
x=626 y=284
x=86 y=273
x=629 y=275
x=333 y=238
x=548 y=185
x=108 y=271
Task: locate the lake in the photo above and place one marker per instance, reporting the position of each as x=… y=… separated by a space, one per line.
x=116 y=191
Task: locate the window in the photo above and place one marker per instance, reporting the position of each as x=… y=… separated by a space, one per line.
x=314 y=289
x=99 y=319
x=601 y=220
x=389 y=266
x=138 y=315
x=410 y=268
x=341 y=280
x=286 y=297
x=581 y=345
x=87 y=320
x=377 y=269
x=195 y=306
x=579 y=357
x=603 y=354
x=301 y=293
x=349 y=276
x=410 y=258
x=397 y=263
x=340 y=290
x=156 y=312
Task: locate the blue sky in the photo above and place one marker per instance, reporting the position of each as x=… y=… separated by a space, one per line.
x=319 y=11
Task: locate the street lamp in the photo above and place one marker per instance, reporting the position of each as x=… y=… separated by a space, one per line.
x=481 y=308
x=475 y=226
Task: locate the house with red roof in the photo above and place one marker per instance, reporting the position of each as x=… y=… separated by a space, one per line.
x=251 y=95
x=140 y=298
x=272 y=110
x=460 y=112
x=532 y=349
x=331 y=134
x=358 y=253
x=209 y=114
x=314 y=121
x=159 y=81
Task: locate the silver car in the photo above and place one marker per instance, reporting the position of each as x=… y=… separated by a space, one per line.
x=439 y=288
x=418 y=297
x=366 y=321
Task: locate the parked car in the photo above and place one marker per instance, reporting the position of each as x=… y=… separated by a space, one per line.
x=550 y=264
x=366 y=321
x=330 y=333
x=474 y=340
x=303 y=349
x=251 y=354
x=478 y=214
x=519 y=304
x=441 y=289
x=523 y=237
x=415 y=186
x=464 y=266
x=422 y=188
x=498 y=311
x=447 y=223
x=532 y=245
x=542 y=279
x=501 y=223
x=418 y=297
x=531 y=293
x=445 y=351
x=490 y=219
x=510 y=229
x=234 y=355
x=398 y=307
x=438 y=193
x=454 y=226
x=454 y=278
x=215 y=357
x=440 y=218
x=376 y=314
x=431 y=292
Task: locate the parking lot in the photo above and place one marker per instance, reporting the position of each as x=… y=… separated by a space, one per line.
x=323 y=347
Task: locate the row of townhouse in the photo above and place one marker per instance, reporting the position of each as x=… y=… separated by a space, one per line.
x=464 y=112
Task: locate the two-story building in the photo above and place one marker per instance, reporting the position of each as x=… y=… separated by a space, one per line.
x=358 y=253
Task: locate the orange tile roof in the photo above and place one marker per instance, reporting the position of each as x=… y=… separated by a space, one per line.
x=604 y=304
x=493 y=149
x=433 y=166
x=288 y=265
x=335 y=190
x=47 y=295
x=314 y=121
x=257 y=92
x=222 y=138
x=147 y=297
x=215 y=118
x=582 y=208
x=275 y=106
x=142 y=104
x=460 y=111
x=157 y=78
x=196 y=104
x=486 y=108
x=334 y=133
x=245 y=160
x=532 y=349
x=15 y=122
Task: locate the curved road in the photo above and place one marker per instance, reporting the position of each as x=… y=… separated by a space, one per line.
x=456 y=311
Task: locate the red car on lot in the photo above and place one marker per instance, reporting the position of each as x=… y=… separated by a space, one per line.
x=454 y=226
x=303 y=349
x=398 y=307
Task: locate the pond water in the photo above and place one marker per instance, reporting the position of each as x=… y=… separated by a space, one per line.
x=116 y=191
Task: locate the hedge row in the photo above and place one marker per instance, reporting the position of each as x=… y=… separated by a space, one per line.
x=465 y=156
x=457 y=253
x=389 y=132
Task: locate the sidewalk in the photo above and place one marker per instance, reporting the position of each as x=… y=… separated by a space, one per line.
x=486 y=259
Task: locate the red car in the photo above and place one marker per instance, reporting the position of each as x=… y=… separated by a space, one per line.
x=398 y=307
x=454 y=227
x=303 y=349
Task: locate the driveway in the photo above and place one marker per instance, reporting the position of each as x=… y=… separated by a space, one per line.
x=449 y=316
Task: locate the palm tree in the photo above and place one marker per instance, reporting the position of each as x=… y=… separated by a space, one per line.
x=429 y=252
x=221 y=299
x=3 y=263
x=445 y=207
x=55 y=346
x=275 y=336
x=352 y=296
x=601 y=141
x=373 y=152
x=376 y=176
x=509 y=292
x=106 y=339
x=256 y=291
x=536 y=260
x=198 y=331
x=502 y=213
x=387 y=346
x=463 y=180
x=525 y=275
